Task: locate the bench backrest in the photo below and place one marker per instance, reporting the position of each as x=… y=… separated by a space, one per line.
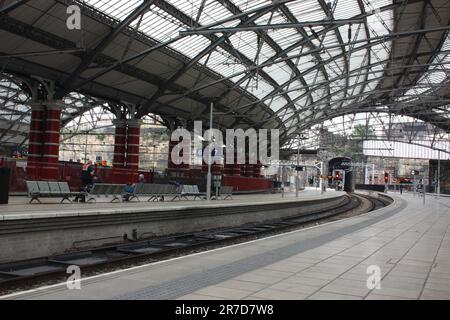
x=140 y=188
x=185 y=189
x=226 y=190
x=43 y=187
x=32 y=187
x=107 y=189
x=64 y=187
x=48 y=187
x=54 y=187
x=159 y=188
x=195 y=187
x=118 y=189
x=149 y=189
x=97 y=189
x=156 y=189
x=169 y=189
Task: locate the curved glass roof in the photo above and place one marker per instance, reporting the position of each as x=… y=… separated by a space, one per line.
x=306 y=60
x=369 y=126
x=318 y=66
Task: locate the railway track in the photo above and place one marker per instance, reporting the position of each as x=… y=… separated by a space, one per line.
x=29 y=273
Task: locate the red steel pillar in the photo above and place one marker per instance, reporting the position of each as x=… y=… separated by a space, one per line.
x=171 y=164
x=227 y=167
x=119 y=143
x=257 y=170
x=133 y=141
x=182 y=167
x=43 y=143
x=236 y=167
x=35 y=141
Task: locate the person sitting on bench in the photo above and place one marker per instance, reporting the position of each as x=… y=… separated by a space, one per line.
x=128 y=191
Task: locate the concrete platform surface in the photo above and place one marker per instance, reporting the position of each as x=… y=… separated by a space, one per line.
x=19 y=208
x=408 y=242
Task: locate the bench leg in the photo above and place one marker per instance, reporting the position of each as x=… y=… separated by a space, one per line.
x=66 y=198
x=91 y=198
x=116 y=198
x=134 y=197
x=35 y=198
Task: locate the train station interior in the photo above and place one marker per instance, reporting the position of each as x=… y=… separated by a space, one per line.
x=225 y=150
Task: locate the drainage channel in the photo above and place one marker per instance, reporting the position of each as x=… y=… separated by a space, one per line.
x=25 y=271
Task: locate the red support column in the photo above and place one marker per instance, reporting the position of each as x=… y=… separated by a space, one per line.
x=236 y=167
x=119 y=144
x=133 y=141
x=227 y=167
x=257 y=170
x=35 y=141
x=50 y=151
x=44 y=141
x=248 y=170
x=170 y=164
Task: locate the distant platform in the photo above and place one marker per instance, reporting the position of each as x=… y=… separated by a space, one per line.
x=408 y=241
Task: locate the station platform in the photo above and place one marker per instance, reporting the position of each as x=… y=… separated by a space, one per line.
x=408 y=241
x=32 y=231
x=19 y=208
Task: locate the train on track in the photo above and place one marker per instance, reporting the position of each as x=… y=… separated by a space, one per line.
x=340 y=174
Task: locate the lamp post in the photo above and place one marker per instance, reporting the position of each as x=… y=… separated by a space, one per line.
x=438 y=187
x=208 y=176
x=85 y=148
x=296 y=169
x=154 y=157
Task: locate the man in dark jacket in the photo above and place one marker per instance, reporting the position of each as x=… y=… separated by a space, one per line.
x=87 y=173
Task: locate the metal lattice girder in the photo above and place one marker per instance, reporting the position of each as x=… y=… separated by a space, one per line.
x=147 y=106
x=12 y=6
x=68 y=84
x=332 y=58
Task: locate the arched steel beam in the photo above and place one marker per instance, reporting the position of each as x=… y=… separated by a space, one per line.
x=70 y=83
x=214 y=44
x=12 y=6
x=185 y=19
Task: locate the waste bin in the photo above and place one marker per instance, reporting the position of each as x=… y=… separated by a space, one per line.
x=4 y=185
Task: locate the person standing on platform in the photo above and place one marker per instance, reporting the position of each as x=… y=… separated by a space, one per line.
x=87 y=173
x=87 y=180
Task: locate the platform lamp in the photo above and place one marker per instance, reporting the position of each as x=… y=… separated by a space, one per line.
x=154 y=157
x=301 y=137
x=212 y=138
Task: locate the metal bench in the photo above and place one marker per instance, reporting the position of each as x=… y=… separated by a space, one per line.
x=226 y=192
x=191 y=191
x=169 y=190
x=155 y=192
x=106 y=190
x=49 y=189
